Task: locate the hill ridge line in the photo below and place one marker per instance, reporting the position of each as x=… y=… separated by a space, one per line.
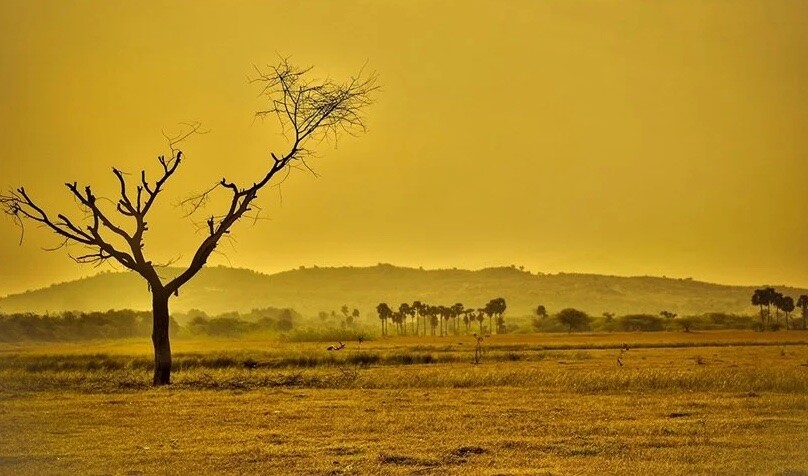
x=312 y=289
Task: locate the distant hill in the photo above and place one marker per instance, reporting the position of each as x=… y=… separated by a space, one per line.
x=310 y=290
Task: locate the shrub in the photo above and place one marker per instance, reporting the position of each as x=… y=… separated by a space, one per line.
x=640 y=322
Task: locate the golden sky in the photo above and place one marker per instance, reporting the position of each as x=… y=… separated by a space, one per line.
x=625 y=137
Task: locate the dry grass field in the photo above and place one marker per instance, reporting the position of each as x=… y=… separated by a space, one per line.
x=697 y=403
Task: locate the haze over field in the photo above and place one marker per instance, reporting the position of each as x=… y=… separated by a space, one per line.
x=624 y=138
x=309 y=291
x=560 y=185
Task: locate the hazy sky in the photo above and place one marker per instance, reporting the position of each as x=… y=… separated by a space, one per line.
x=631 y=137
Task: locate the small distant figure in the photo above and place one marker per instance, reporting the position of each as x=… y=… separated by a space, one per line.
x=478 y=349
x=336 y=347
x=623 y=350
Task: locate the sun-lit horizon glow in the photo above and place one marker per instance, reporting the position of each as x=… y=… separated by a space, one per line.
x=625 y=139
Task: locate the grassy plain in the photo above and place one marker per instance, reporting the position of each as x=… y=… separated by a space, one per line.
x=699 y=403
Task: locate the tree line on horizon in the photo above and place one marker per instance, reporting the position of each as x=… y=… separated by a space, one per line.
x=574 y=320
x=767 y=297
x=127 y=323
x=441 y=319
x=71 y=326
x=415 y=319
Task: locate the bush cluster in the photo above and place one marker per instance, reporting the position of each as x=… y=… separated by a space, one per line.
x=569 y=320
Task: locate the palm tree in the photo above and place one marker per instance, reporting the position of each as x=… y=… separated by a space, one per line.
x=760 y=298
x=398 y=320
x=445 y=313
x=416 y=308
x=384 y=313
x=500 y=308
x=429 y=316
x=426 y=312
x=802 y=302
x=457 y=310
x=777 y=300
x=489 y=311
x=765 y=297
x=404 y=310
x=467 y=318
x=787 y=306
x=496 y=307
x=770 y=296
x=481 y=318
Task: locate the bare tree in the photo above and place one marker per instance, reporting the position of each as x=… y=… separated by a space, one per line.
x=309 y=110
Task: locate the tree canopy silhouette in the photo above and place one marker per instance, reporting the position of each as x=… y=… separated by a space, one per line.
x=573 y=319
x=309 y=110
x=802 y=303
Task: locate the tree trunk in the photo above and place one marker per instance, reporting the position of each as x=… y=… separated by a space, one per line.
x=762 y=319
x=162 y=346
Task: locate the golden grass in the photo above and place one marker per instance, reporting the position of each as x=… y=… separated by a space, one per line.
x=547 y=340
x=696 y=405
x=495 y=430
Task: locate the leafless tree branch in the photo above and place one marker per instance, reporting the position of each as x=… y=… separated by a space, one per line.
x=307 y=109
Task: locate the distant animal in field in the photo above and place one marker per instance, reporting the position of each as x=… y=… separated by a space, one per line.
x=625 y=347
x=336 y=347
